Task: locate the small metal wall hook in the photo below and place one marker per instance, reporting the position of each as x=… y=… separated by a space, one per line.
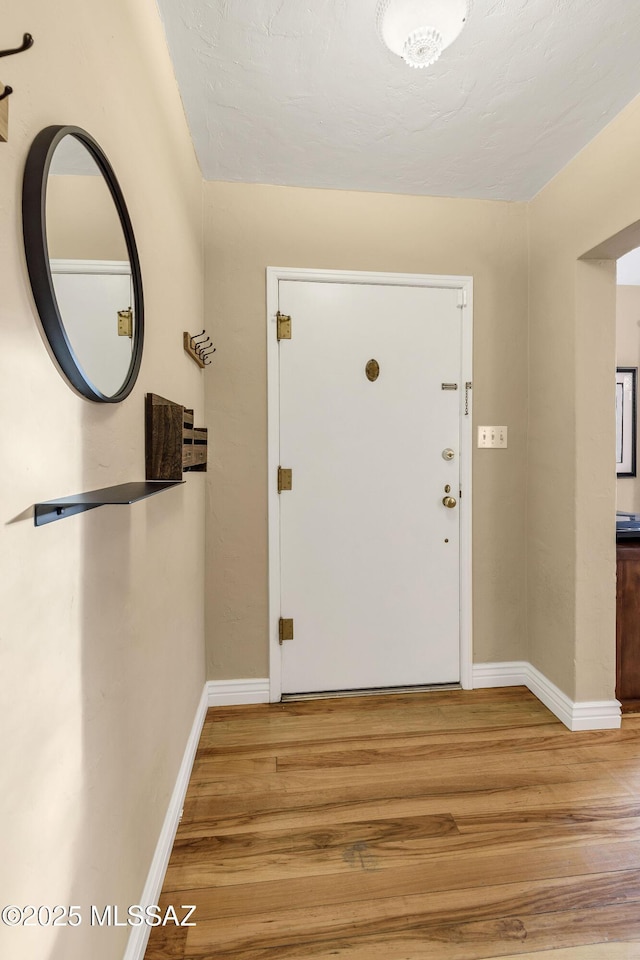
x=195 y=339
x=27 y=42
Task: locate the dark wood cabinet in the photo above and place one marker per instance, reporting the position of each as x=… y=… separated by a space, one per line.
x=628 y=625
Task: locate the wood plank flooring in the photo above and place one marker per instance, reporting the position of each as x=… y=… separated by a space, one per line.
x=436 y=826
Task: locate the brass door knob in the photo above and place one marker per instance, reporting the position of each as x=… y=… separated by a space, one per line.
x=449 y=502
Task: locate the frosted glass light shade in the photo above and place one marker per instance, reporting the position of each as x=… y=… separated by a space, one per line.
x=419 y=30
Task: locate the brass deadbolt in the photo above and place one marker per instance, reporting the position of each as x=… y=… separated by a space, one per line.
x=372 y=370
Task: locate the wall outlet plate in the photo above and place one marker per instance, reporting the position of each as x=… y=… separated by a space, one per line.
x=492 y=436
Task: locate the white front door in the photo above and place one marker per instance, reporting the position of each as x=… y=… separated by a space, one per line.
x=369 y=550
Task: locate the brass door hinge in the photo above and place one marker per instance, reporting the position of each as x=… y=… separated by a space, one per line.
x=125 y=323
x=284 y=326
x=285 y=479
x=285 y=631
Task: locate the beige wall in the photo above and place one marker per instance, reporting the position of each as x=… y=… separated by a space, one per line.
x=248 y=228
x=572 y=483
x=101 y=621
x=628 y=355
x=82 y=220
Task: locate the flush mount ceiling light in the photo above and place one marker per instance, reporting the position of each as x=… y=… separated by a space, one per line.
x=419 y=30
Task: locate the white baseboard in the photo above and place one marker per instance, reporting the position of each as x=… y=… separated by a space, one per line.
x=576 y=715
x=508 y=674
x=597 y=715
x=139 y=936
x=224 y=693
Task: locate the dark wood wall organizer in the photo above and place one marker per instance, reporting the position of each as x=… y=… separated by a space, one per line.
x=173 y=445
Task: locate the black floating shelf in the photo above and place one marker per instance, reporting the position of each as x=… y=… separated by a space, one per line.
x=122 y=493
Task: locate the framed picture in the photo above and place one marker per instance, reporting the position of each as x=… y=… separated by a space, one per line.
x=626 y=382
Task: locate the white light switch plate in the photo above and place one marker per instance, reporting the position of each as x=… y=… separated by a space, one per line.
x=492 y=436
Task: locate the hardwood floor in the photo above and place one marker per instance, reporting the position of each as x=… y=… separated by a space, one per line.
x=436 y=826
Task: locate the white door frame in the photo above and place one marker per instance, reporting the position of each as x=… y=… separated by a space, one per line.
x=465 y=286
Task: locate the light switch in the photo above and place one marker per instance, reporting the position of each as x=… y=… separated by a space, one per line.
x=492 y=436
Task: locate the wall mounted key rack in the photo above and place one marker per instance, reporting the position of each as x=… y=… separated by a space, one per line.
x=5 y=92
x=199 y=347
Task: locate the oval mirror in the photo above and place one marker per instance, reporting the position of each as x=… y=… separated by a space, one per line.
x=83 y=263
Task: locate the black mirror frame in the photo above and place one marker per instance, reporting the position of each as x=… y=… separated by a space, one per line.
x=34 y=224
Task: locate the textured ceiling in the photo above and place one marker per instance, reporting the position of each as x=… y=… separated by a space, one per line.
x=305 y=94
